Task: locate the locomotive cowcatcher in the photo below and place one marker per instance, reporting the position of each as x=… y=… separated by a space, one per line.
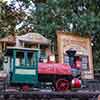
x=25 y=71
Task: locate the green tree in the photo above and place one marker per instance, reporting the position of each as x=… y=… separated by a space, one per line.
x=10 y=16
x=81 y=16
x=96 y=50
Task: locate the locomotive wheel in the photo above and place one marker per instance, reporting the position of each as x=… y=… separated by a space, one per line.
x=62 y=85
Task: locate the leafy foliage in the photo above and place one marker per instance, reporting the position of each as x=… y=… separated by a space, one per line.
x=71 y=15
x=96 y=50
x=46 y=18
x=9 y=18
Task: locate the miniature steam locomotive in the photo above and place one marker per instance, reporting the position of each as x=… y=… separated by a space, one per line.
x=25 y=70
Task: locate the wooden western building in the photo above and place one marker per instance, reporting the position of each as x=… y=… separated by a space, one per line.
x=28 y=40
x=82 y=45
x=34 y=40
x=7 y=41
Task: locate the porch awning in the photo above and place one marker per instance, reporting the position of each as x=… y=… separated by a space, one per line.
x=33 y=38
x=9 y=39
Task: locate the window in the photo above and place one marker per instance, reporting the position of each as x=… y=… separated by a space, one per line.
x=66 y=59
x=85 y=62
x=24 y=59
x=29 y=59
x=20 y=59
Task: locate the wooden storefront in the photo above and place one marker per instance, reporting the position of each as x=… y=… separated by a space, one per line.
x=29 y=40
x=82 y=45
x=34 y=40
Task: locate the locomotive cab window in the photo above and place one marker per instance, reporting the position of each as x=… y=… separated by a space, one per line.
x=29 y=59
x=20 y=61
x=24 y=59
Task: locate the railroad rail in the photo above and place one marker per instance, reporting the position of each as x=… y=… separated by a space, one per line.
x=45 y=95
x=91 y=91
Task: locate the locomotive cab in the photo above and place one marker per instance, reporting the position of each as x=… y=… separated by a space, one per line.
x=23 y=65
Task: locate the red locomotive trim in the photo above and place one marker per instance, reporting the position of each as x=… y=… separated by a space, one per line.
x=62 y=85
x=54 y=68
x=76 y=83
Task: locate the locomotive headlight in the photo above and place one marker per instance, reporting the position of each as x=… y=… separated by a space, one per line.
x=52 y=58
x=76 y=83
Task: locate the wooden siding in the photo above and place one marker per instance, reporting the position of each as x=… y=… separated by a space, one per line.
x=66 y=40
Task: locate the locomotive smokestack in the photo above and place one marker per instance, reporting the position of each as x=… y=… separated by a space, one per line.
x=71 y=53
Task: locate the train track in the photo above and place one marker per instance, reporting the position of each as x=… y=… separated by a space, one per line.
x=91 y=92
x=45 y=95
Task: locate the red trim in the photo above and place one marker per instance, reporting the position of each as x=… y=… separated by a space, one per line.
x=25 y=88
x=54 y=68
x=62 y=85
x=77 y=83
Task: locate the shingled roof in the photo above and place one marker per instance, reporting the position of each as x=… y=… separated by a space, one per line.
x=33 y=38
x=29 y=38
x=8 y=39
